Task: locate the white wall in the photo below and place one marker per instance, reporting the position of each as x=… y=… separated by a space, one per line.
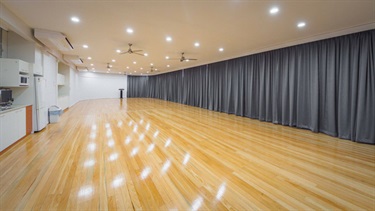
x=50 y=74
x=64 y=90
x=19 y=48
x=74 y=88
x=96 y=86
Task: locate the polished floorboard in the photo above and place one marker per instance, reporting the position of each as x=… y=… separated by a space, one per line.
x=149 y=154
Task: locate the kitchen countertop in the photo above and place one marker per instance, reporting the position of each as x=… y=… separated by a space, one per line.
x=12 y=108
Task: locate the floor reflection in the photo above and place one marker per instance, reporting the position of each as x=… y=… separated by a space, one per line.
x=113 y=157
x=150 y=148
x=91 y=147
x=89 y=163
x=197 y=203
x=167 y=143
x=145 y=173
x=118 y=181
x=186 y=158
x=134 y=151
x=156 y=134
x=85 y=191
x=166 y=166
x=221 y=191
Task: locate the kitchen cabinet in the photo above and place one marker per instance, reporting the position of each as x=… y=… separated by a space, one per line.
x=5 y=135
x=60 y=79
x=12 y=127
x=37 y=69
x=13 y=72
x=21 y=123
x=14 y=65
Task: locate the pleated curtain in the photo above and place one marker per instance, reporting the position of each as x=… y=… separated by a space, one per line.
x=325 y=86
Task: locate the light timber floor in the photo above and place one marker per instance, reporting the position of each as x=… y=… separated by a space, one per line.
x=155 y=155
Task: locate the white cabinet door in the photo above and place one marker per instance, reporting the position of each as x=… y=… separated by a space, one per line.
x=9 y=132
x=2 y=133
x=60 y=79
x=37 y=69
x=20 y=123
x=12 y=127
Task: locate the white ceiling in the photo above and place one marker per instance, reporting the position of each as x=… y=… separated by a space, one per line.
x=240 y=27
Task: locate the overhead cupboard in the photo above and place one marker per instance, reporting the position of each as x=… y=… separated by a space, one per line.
x=14 y=73
x=60 y=79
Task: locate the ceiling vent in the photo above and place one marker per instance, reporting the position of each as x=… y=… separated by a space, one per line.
x=73 y=59
x=52 y=39
x=84 y=69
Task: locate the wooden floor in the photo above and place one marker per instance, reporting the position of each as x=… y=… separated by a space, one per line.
x=156 y=155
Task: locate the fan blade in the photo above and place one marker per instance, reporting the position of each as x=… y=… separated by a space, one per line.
x=174 y=59
x=190 y=59
x=139 y=54
x=134 y=51
x=125 y=52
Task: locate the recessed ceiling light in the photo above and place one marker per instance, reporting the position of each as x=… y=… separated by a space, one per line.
x=75 y=19
x=85 y=46
x=89 y=58
x=113 y=60
x=129 y=30
x=110 y=65
x=301 y=24
x=109 y=69
x=119 y=72
x=221 y=49
x=151 y=64
x=118 y=51
x=93 y=68
x=145 y=54
x=156 y=69
x=196 y=44
x=92 y=64
x=274 y=10
x=141 y=68
x=167 y=57
x=135 y=71
x=148 y=71
x=168 y=39
x=127 y=67
x=168 y=65
x=134 y=62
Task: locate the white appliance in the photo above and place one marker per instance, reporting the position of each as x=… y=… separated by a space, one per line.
x=24 y=80
x=40 y=103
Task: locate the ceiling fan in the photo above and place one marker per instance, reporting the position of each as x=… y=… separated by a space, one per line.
x=109 y=66
x=184 y=59
x=130 y=51
x=152 y=69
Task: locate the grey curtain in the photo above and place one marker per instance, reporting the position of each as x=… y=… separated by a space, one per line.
x=325 y=86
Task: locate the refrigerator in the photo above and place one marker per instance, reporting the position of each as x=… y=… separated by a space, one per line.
x=40 y=103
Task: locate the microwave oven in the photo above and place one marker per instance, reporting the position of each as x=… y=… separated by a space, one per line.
x=24 y=80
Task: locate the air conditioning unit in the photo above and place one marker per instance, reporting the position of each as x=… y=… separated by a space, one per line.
x=73 y=58
x=84 y=69
x=52 y=39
